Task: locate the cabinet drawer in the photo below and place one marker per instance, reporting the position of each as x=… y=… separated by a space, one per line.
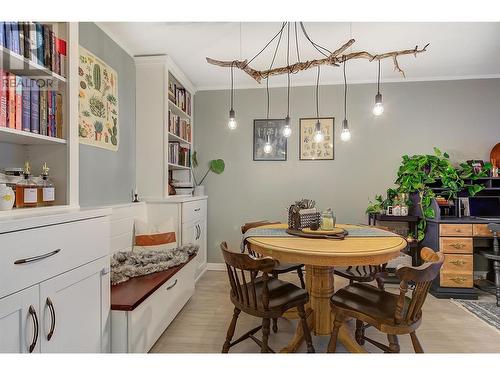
x=194 y=210
x=458 y=230
x=454 y=263
x=34 y=255
x=481 y=230
x=456 y=245
x=456 y=280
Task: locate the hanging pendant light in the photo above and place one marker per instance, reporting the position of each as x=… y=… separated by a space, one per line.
x=287 y=129
x=268 y=147
x=318 y=133
x=378 y=109
x=232 y=124
x=345 y=135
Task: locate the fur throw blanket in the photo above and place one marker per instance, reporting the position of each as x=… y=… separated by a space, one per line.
x=127 y=264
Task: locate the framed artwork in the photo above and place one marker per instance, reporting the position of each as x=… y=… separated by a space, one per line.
x=311 y=150
x=272 y=131
x=97 y=102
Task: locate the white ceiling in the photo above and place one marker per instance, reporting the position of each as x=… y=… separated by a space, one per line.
x=456 y=51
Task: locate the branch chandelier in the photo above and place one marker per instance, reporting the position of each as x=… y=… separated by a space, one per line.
x=330 y=58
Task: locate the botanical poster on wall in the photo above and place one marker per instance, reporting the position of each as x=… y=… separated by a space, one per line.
x=98 y=102
x=311 y=150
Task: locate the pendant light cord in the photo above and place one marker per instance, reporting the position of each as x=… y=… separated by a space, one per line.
x=232 y=89
x=317 y=94
x=288 y=72
x=345 y=92
x=271 y=66
x=315 y=45
x=297 y=42
x=268 y=43
x=378 y=79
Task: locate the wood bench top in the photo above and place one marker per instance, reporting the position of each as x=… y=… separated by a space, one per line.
x=128 y=295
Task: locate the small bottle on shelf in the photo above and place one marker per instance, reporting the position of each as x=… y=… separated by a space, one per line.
x=46 y=190
x=26 y=189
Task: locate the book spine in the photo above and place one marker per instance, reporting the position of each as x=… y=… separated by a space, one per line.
x=33 y=42
x=19 y=103
x=27 y=40
x=49 y=114
x=8 y=35
x=2 y=34
x=53 y=114
x=15 y=37
x=59 y=116
x=39 y=43
x=61 y=51
x=3 y=98
x=43 y=112
x=35 y=108
x=53 y=51
x=20 y=30
x=46 y=46
x=12 y=101
x=26 y=87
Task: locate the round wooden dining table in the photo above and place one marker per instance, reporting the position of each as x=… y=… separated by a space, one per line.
x=320 y=256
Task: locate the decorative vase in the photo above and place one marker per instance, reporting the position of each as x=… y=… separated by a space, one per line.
x=7 y=197
x=199 y=191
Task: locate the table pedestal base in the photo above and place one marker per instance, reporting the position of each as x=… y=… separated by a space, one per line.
x=320 y=285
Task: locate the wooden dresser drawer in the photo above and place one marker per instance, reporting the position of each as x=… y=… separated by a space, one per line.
x=481 y=230
x=30 y=256
x=457 y=230
x=456 y=280
x=194 y=210
x=457 y=263
x=456 y=245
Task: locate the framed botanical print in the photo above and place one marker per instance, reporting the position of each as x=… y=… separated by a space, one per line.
x=311 y=150
x=268 y=140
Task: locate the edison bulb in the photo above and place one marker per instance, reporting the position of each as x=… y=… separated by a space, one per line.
x=345 y=135
x=378 y=109
x=318 y=136
x=287 y=131
x=232 y=124
x=268 y=148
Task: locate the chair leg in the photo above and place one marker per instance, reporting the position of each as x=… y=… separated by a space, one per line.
x=301 y=278
x=305 y=329
x=496 y=267
x=275 y=325
x=393 y=343
x=332 y=345
x=230 y=331
x=266 y=322
x=416 y=344
x=360 y=332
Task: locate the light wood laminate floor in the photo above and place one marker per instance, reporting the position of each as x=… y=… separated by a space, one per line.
x=201 y=325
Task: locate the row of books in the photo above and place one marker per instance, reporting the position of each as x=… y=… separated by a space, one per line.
x=36 y=42
x=179 y=155
x=179 y=126
x=24 y=106
x=180 y=97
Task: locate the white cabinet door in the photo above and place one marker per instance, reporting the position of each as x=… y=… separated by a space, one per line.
x=74 y=307
x=189 y=235
x=19 y=322
x=202 y=243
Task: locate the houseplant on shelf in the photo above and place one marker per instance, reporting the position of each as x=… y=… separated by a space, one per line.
x=419 y=173
x=216 y=166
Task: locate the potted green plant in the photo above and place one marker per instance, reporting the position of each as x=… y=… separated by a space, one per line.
x=216 y=166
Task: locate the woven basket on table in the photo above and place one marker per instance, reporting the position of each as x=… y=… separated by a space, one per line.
x=301 y=221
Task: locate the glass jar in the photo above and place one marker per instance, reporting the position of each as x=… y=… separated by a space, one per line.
x=327 y=220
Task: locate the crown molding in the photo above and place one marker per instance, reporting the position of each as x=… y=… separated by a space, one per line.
x=117 y=40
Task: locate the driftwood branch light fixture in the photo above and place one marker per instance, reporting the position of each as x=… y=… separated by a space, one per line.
x=332 y=58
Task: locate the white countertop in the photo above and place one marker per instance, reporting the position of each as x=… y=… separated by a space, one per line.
x=14 y=220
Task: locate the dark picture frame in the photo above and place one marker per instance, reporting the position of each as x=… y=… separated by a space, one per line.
x=273 y=127
x=310 y=150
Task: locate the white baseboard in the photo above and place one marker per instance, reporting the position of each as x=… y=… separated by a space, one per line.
x=216 y=266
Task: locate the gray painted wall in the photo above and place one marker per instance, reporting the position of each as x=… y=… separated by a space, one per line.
x=461 y=117
x=108 y=177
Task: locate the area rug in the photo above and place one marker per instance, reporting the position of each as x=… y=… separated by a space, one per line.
x=488 y=312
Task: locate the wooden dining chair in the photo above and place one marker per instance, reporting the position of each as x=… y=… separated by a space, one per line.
x=279 y=268
x=389 y=313
x=256 y=292
x=494 y=256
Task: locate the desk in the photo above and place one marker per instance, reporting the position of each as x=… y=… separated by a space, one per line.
x=320 y=256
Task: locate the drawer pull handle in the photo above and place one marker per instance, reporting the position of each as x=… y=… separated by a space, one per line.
x=457 y=262
x=52 y=310
x=197 y=209
x=458 y=246
x=32 y=313
x=458 y=230
x=37 y=258
x=171 y=286
x=458 y=280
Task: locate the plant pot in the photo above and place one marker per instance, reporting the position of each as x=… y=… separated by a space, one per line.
x=199 y=191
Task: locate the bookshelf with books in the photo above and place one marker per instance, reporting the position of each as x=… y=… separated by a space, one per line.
x=164 y=126
x=39 y=103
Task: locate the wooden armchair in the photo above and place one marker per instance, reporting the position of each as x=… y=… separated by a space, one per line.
x=389 y=313
x=495 y=257
x=256 y=293
x=279 y=268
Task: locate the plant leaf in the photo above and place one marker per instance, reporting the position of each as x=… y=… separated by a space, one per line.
x=194 y=159
x=217 y=166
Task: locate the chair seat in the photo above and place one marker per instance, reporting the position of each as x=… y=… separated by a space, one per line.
x=282 y=295
x=359 y=274
x=286 y=267
x=368 y=300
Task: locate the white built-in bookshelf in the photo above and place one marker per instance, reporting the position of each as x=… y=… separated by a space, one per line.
x=164 y=125
x=61 y=152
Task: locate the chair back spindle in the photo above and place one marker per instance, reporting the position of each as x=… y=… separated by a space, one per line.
x=255 y=224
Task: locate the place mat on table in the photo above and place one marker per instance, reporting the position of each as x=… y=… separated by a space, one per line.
x=354 y=231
